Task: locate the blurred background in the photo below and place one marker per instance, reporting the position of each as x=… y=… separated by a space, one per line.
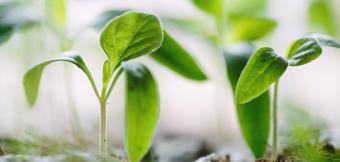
x=200 y=109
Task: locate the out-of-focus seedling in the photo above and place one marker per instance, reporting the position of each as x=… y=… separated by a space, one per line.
x=15 y=17
x=241 y=21
x=265 y=67
x=124 y=38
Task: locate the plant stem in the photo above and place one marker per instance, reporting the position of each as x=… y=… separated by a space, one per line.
x=274 y=149
x=103 y=129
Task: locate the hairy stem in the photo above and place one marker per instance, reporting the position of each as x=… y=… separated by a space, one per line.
x=274 y=150
x=103 y=129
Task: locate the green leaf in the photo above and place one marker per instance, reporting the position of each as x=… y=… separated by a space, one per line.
x=247 y=7
x=303 y=51
x=106 y=71
x=131 y=35
x=263 y=68
x=244 y=28
x=56 y=10
x=15 y=17
x=325 y=40
x=142 y=110
x=172 y=55
x=254 y=116
x=322 y=16
x=213 y=7
x=101 y=20
x=32 y=77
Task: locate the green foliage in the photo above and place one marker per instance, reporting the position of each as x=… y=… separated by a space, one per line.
x=212 y=7
x=321 y=15
x=15 y=17
x=246 y=7
x=263 y=68
x=57 y=15
x=142 y=110
x=303 y=51
x=131 y=35
x=32 y=77
x=254 y=116
x=244 y=28
x=125 y=37
x=172 y=55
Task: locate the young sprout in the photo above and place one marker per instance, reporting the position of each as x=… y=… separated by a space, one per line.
x=265 y=67
x=124 y=38
x=239 y=21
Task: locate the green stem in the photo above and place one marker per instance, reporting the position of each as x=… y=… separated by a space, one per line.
x=113 y=84
x=103 y=114
x=274 y=150
x=103 y=129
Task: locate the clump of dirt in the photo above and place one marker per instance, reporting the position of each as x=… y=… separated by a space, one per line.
x=215 y=158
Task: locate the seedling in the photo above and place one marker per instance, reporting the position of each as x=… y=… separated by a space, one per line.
x=265 y=67
x=124 y=38
x=15 y=17
x=241 y=21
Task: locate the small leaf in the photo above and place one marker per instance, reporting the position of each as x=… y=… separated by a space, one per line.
x=106 y=71
x=325 y=40
x=213 y=7
x=142 y=110
x=101 y=20
x=56 y=10
x=172 y=55
x=322 y=16
x=249 y=28
x=32 y=77
x=254 y=116
x=303 y=51
x=131 y=35
x=263 y=68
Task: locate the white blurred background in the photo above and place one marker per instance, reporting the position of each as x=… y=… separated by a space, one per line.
x=187 y=107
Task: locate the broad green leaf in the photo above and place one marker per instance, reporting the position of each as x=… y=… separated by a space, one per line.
x=213 y=7
x=131 y=35
x=325 y=40
x=32 y=77
x=322 y=16
x=142 y=110
x=56 y=11
x=14 y=17
x=101 y=20
x=254 y=116
x=247 y=7
x=172 y=55
x=263 y=68
x=303 y=51
x=244 y=28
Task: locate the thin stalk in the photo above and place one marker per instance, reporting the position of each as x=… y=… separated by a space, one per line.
x=103 y=129
x=220 y=65
x=274 y=149
x=103 y=114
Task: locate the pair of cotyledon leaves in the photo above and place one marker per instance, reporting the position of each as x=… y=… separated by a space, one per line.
x=266 y=67
x=171 y=54
x=127 y=36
